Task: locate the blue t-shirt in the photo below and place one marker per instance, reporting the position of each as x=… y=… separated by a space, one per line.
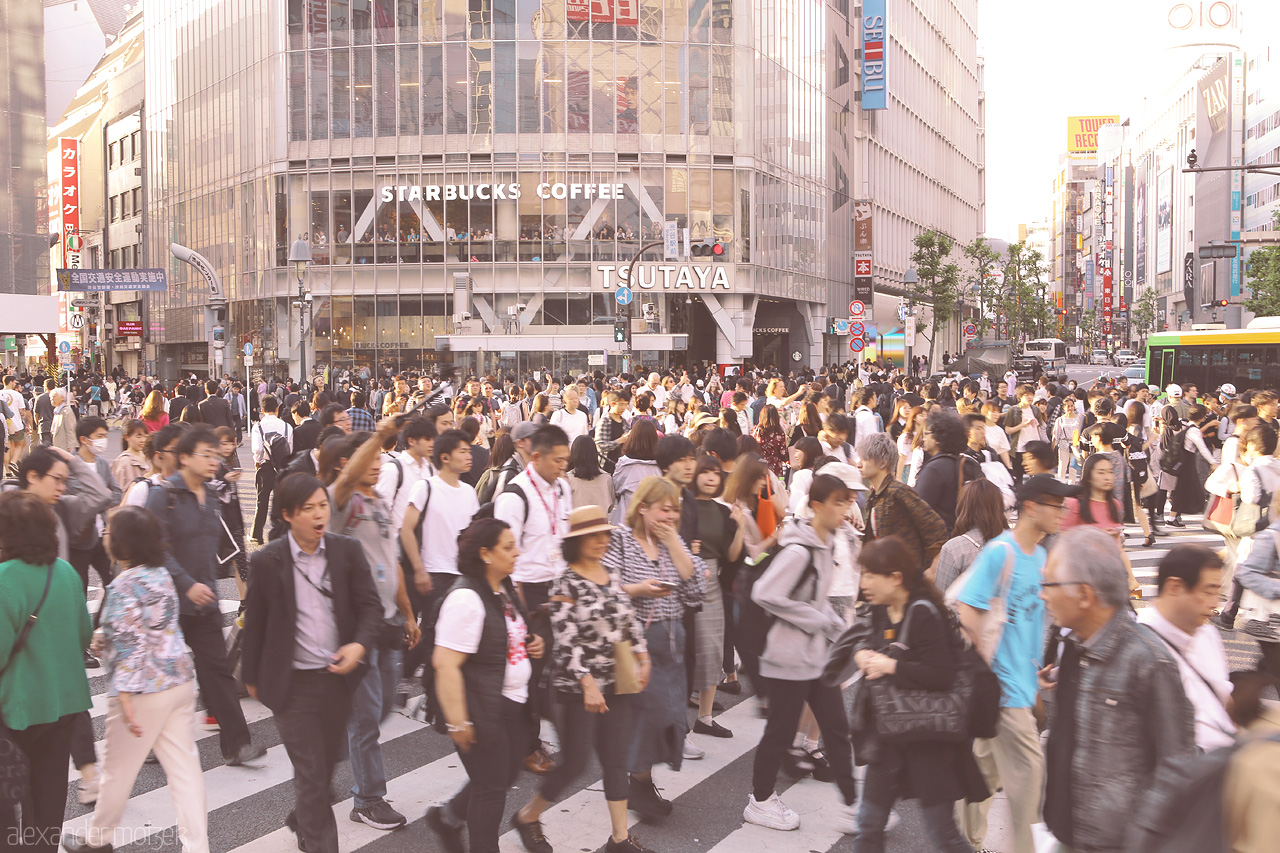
x=1021 y=647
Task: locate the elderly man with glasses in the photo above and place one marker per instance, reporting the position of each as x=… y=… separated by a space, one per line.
x=1121 y=708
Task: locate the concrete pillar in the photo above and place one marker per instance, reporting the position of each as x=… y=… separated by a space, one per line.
x=735 y=316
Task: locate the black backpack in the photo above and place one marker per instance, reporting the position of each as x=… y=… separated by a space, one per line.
x=486 y=508
x=277 y=447
x=754 y=622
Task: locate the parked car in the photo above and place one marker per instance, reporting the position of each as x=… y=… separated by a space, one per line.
x=1135 y=373
x=1099 y=356
x=1126 y=357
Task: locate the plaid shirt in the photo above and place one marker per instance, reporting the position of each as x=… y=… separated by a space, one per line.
x=361 y=420
x=896 y=510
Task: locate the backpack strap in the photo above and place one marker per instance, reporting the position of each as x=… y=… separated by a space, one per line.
x=422 y=516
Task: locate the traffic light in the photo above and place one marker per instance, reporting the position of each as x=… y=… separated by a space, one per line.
x=619 y=331
x=1222 y=303
x=707 y=249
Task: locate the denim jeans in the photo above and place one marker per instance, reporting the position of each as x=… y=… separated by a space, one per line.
x=879 y=793
x=370 y=705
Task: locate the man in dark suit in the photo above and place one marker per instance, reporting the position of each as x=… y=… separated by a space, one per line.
x=214 y=410
x=310 y=615
x=179 y=402
x=306 y=429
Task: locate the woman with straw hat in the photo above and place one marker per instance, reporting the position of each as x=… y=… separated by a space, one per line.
x=600 y=662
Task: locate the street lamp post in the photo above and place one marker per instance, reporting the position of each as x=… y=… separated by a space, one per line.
x=299 y=257
x=631 y=271
x=909 y=280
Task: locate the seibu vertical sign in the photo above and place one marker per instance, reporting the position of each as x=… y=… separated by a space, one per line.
x=69 y=200
x=875 y=62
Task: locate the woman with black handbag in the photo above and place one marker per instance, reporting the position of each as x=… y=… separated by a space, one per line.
x=44 y=630
x=913 y=643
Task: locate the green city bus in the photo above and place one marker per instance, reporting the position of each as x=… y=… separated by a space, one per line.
x=1247 y=358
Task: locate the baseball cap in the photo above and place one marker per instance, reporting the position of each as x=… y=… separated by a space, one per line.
x=523 y=430
x=1173 y=390
x=1040 y=485
x=846 y=473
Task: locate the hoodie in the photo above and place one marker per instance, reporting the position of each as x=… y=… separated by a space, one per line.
x=626 y=479
x=806 y=624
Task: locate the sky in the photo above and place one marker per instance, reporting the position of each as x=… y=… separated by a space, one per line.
x=1050 y=60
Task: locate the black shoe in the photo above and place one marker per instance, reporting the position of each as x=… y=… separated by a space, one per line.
x=248 y=752
x=1150 y=540
x=822 y=771
x=643 y=799
x=380 y=815
x=712 y=728
x=291 y=821
x=531 y=835
x=1176 y=522
x=630 y=845
x=79 y=845
x=450 y=835
x=1224 y=621
x=797 y=763
x=90 y=662
x=733 y=688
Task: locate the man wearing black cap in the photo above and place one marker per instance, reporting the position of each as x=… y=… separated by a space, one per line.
x=1010 y=568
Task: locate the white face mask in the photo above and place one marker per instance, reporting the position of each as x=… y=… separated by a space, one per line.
x=99 y=445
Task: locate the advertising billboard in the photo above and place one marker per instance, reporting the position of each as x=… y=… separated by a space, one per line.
x=863 y=252
x=875 y=61
x=624 y=13
x=1082 y=132
x=1164 y=222
x=69 y=200
x=1212 y=189
x=1140 y=225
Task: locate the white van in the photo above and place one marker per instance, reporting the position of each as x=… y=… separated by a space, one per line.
x=1053 y=352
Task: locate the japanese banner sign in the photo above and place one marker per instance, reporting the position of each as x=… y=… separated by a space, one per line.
x=69 y=199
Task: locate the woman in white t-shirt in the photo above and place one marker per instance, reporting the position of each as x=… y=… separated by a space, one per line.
x=482 y=665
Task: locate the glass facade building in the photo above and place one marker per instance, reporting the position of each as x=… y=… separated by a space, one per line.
x=473 y=177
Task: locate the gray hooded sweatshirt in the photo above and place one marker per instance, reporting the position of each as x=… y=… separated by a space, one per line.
x=626 y=479
x=806 y=624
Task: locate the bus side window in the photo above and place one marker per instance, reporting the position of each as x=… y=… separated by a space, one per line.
x=1270 y=370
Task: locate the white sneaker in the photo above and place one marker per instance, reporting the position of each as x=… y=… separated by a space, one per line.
x=846 y=819
x=893 y=821
x=693 y=752
x=773 y=813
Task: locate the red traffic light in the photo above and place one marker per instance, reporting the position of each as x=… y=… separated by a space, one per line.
x=706 y=249
x=717 y=248
x=1222 y=303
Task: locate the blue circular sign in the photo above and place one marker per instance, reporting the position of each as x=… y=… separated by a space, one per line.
x=65 y=346
x=623 y=295
x=248 y=349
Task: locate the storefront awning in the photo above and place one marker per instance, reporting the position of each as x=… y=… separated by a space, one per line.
x=559 y=343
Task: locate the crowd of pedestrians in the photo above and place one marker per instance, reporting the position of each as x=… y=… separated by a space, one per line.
x=606 y=553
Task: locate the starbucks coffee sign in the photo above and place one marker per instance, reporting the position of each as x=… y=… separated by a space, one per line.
x=667 y=276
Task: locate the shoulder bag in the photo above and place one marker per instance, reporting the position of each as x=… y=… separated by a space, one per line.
x=14 y=769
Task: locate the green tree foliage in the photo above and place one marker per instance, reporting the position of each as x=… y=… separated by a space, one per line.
x=984 y=261
x=939 y=278
x=1143 y=313
x=1263 y=275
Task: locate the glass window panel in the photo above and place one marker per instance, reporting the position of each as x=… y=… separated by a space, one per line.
x=409 y=98
x=342 y=315
x=456 y=105
x=319 y=237
x=504 y=87
x=455 y=20
x=430 y=14
x=526 y=87
x=722 y=21
x=365 y=322
x=480 y=19
x=432 y=90
x=722 y=91
x=553 y=89
x=455 y=212
x=342 y=218
x=504 y=19
x=361 y=21
x=297 y=95
x=384 y=20
x=699 y=89
x=317 y=23
x=387 y=91
x=652 y=89
x=699 y=21
x=674 y=82
x=362 y=92
x=319 y=94
x=407 y=20
x=480 y=72
x=297 y=25
x=578 y=86
x=410 y=321
x=341 y=113
x=603 y=89
x=677 y=22
x=627 y=91
x=340 y=21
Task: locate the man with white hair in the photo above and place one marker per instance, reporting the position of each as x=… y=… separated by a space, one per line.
x=654 y=387
x=64 y=422
x=1121 y=709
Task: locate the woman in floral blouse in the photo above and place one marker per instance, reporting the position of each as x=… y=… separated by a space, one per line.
x=592 y=617
x=655 y=568
x=151 y=682
x=772 y=440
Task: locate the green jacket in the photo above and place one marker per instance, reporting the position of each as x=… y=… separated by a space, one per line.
x=47 y=679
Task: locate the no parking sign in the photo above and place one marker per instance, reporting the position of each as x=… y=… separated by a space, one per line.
x=856 y=344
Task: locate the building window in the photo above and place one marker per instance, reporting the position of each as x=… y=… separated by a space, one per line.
x=137 y=200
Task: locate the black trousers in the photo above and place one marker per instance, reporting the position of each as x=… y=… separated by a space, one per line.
x=536 y=599
x=265 y=481
x=82 y=559
x=313 y=728
x=786 y=703
x=203 y=633
x=47 y=747
x=579 y=730
x=493 y=763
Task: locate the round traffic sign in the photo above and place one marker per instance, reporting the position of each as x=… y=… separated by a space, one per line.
x=857 y=329
x=857 y=308
x=970 y=330
x=248 y=349
x=856 y=344
x=76 y=321
x=64 y=347
x=623 y=295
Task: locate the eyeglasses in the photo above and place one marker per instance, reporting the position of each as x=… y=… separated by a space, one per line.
x=1050 y=584
x=1058 y=507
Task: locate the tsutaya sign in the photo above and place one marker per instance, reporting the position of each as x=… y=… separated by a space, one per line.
x=668 y=276
x=466 y=192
